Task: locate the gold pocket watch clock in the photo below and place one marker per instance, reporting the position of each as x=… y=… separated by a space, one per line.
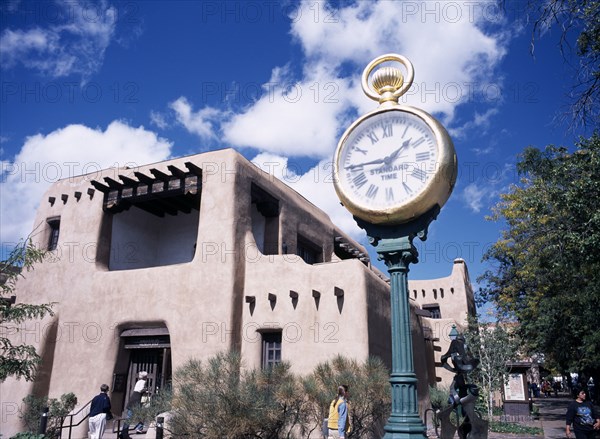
x=397 y=162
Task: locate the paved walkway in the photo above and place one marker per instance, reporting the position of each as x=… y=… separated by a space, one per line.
x=552 y=416
x=552 y=420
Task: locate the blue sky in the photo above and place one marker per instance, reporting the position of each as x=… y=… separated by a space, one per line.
x=86 y=86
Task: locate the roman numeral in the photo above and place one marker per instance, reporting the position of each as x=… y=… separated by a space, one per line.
x=372 y=191
x=407 y=188
x=404 y=133
x=374 y=139
x=359 y=180
x=389 y=194
x=387 y=130
x=422 y=156
x=419 y=174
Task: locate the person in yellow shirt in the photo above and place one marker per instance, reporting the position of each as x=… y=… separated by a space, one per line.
x=339 y=419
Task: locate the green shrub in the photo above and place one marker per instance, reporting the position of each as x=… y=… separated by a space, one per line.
x=215 y=396
x=369 y=394
x=439 y=397
x=58 y=409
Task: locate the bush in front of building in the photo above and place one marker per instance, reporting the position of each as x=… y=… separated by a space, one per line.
x=216 y=398
x=369 y=388
x=58 y=409
x=439 y=396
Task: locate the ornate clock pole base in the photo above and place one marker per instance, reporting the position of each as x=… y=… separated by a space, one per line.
x=394 y=245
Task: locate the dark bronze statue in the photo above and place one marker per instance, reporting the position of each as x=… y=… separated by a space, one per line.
x=462 y=395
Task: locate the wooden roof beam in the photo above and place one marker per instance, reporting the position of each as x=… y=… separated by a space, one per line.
x=176 y=171
x=143 y=178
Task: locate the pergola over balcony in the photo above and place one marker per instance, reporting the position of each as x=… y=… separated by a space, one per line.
x=159 y=194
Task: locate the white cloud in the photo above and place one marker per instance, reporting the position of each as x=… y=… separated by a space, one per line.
x=480 y=121
x=201 y=122
x=295 y=119
x=158 y=119
x=450 y=52
x=74 y=42
x=64 y=153
x=474 y=195
x=447 y=46
x=482 y=151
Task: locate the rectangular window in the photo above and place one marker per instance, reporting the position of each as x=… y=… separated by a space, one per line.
x=309 y=252
x=434 y=310
x=271 y=349
x=54 y=224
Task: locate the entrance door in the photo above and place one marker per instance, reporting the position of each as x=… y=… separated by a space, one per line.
x=149 y=351
x=157 y=362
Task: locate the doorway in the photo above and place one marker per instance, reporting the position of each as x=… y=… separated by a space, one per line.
x=150 y=351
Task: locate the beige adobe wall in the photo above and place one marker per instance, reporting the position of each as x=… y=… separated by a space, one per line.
x=314 y=330
x=453 y=294
x=456 y=305
x=311 y=332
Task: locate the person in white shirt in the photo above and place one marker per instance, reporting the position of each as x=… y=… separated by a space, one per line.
x=135 y=400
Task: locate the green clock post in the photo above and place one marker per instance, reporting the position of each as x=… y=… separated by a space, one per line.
x=394 y=169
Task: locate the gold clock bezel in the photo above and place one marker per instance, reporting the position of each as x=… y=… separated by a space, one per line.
x=436 y=191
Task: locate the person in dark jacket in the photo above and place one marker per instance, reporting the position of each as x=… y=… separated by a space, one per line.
x=582 y=416
x=99 y=413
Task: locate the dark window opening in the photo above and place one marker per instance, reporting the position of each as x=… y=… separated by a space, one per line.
x=308 y=251
x=265 y=220
x=271 y=349
x=434 y=310
x=54 y=224
x=150 y=221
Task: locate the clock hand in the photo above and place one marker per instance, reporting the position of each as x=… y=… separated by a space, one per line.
x=393 y=156
x=360 y=165
x=386 y=160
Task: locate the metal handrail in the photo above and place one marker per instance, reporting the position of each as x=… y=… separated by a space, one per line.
x=72 y=415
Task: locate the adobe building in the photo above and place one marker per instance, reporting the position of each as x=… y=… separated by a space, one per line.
x=190 y=257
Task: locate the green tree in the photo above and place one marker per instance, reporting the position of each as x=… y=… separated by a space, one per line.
x=494 y=346
x=546 y=265
x=18 y=360
x=578 y=22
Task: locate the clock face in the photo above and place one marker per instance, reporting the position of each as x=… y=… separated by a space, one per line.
x=387 y=165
